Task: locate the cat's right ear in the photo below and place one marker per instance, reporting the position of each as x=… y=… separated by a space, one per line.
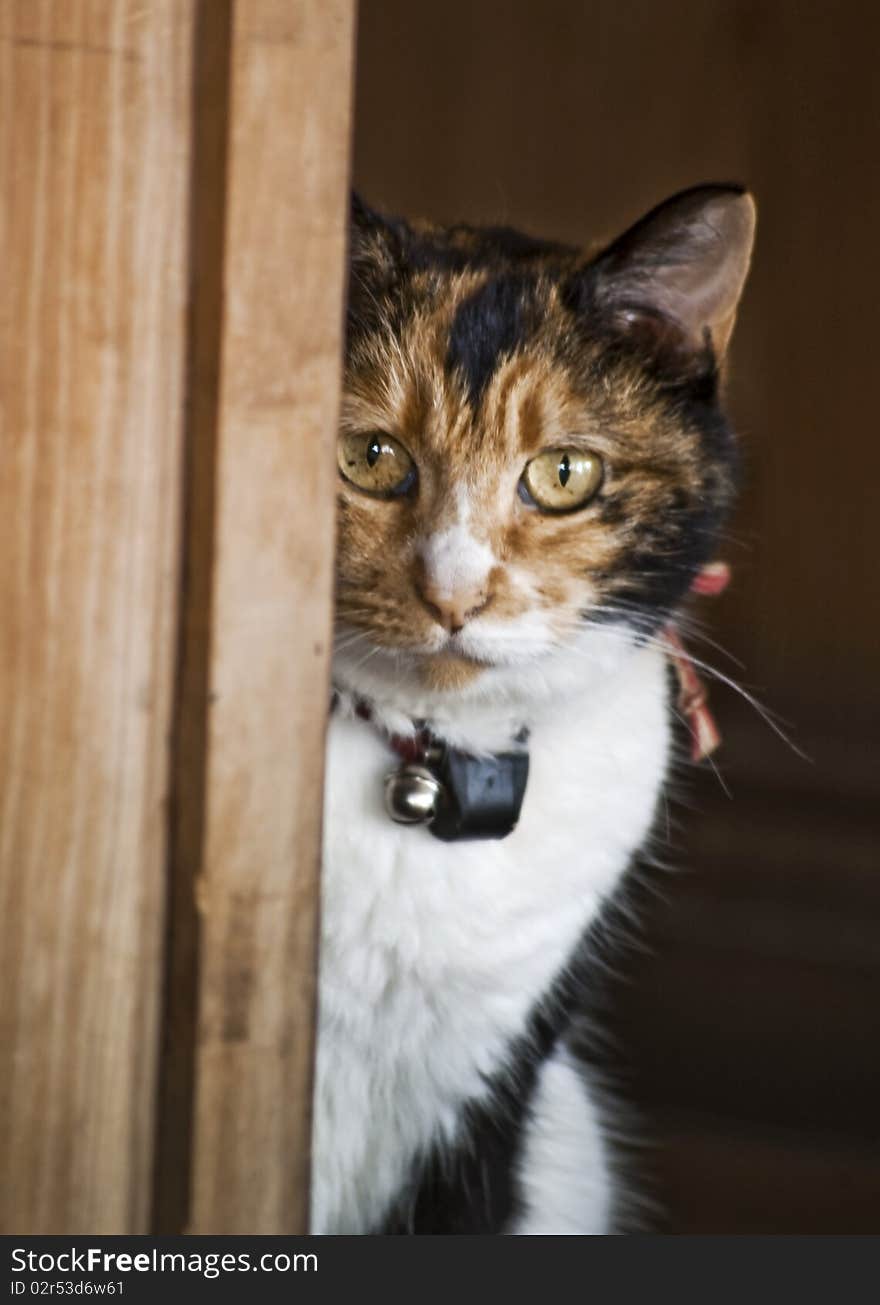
x=375 y=251
x=369 y=229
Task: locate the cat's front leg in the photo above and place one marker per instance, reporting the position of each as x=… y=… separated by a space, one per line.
x=565 y=1179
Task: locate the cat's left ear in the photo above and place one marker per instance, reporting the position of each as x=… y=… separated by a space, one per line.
x=684 y=265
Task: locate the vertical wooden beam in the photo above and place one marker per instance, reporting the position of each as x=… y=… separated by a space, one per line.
x=212 y=41
x=270 y=611
x=94 y=135
x=119 y=212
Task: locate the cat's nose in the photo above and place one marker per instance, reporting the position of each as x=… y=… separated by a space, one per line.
x=454 y=610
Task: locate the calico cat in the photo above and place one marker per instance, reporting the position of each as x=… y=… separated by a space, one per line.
x=533 y=468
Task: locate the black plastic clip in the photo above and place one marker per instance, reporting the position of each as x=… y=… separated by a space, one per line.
x=482 y=796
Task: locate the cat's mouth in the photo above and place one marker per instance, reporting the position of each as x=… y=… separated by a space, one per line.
x=443 y=661
x=453 y=652
x=487 y=650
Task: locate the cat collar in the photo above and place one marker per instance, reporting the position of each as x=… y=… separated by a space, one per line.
x=457 y=795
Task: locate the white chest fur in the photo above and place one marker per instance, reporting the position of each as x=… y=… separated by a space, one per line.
x=433 y=954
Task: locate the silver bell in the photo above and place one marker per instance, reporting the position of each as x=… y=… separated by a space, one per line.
x=411 y=795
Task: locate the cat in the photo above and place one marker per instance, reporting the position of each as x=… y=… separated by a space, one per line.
x=533 y=468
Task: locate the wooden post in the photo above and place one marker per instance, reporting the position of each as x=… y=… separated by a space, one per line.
x=94 y=133
x=173 y=176
x=257 y=878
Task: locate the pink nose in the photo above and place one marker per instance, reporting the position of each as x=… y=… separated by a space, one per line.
x=453 y=611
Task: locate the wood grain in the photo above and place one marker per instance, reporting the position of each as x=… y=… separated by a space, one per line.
x=257 y=880
x=94 y=132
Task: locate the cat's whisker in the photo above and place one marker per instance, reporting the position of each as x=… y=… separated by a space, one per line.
x=709 y=758
x=691 y=625
x=657 y=641
x=347 y=644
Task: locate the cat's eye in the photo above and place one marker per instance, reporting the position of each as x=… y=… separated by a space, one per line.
x=376 y=463
x=562 y=480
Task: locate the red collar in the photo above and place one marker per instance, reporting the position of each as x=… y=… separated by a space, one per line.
x=705 y=737
x=410 y=748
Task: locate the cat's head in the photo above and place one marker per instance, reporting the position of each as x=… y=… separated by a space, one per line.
x=531 y=440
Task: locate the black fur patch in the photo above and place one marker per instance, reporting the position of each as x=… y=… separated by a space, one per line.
x=472 y=1188
x=489 y=326
x=655 y=575
x=463 y=247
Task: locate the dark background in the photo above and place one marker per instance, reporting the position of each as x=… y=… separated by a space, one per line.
x=751 y=1018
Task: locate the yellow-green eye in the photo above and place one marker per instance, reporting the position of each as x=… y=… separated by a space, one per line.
x=377 y=464
x=562 y=480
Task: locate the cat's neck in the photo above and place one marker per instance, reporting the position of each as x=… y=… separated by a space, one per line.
x=489 y=711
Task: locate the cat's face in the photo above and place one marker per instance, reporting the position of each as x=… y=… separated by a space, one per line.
x=530 y=440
